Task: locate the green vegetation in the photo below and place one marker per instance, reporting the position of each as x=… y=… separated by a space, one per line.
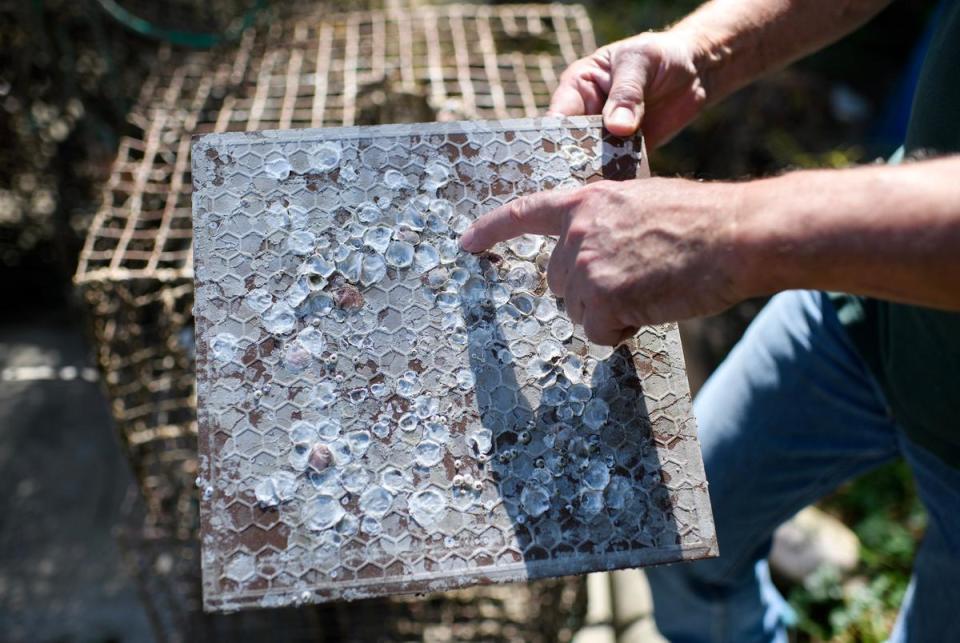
x=884 y=511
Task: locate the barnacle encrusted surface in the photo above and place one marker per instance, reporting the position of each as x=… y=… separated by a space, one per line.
x=381 y=412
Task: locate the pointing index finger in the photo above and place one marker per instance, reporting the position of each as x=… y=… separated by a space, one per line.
x=540 y=213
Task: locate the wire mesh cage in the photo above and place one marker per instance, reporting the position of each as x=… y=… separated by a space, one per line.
x=360 y=68
x=396 y=63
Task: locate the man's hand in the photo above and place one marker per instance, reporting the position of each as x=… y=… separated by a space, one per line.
x=629 y=253
x=660 y=81
x=647 y=251
x=647 y=80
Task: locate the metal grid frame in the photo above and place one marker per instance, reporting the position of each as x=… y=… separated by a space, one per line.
x=135 y=270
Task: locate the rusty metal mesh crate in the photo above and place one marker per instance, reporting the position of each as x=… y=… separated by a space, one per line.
x=423 y=63
x=397 y=64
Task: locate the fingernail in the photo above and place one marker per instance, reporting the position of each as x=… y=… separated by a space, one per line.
x=622 y=116
x=466 y=240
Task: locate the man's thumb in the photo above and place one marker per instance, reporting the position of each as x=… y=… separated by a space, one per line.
x=623 y=110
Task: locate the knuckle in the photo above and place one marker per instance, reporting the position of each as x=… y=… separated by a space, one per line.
x=517 y=211
x=601 y=58
x=636 y=55
x=603 y=288
x=585 y=192
x=571 y=73
x=578 y=220
x=600 y=190
x=646 y=48
x=576 y=70
x=596 y=333
x=581 y=200
x=642 y=47
x=576 y=199
x=578 y=228
x=626 y=90
x=590 y=198
x=568 y=79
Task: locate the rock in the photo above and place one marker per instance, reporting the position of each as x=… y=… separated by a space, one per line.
x=810 y=540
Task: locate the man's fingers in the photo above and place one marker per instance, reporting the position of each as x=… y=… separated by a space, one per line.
x=623 y=111
x=540 y=213
x=600 y=324
x=601 y=328
x=557 y=270
x=566 y=101
x=576 y=290
x=578 y=92
x=560 y=264
x=575 y=307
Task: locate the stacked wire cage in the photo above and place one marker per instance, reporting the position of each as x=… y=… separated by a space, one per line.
x=395 y=63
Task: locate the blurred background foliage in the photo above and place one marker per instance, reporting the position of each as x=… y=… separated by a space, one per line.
x=68 y=74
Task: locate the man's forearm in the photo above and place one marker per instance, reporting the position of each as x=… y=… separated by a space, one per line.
x=739 y=40
x=891 y=232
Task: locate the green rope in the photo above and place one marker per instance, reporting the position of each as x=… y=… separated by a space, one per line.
x=197 y=40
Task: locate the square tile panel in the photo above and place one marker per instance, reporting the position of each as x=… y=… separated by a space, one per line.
x=380 y=412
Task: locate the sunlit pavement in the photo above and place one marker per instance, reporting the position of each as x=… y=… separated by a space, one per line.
x=619 y=609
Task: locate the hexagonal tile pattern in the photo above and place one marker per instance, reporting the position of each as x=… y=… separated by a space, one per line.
x=406 y=417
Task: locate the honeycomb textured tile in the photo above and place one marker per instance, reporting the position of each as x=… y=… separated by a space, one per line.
x=380 y=412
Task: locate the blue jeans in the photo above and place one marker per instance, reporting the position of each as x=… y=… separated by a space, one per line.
x=792 y=413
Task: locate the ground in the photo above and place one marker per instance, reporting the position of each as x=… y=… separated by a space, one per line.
x=64 y=480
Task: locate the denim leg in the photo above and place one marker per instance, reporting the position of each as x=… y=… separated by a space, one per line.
x=789 y=415
x=931 y=607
